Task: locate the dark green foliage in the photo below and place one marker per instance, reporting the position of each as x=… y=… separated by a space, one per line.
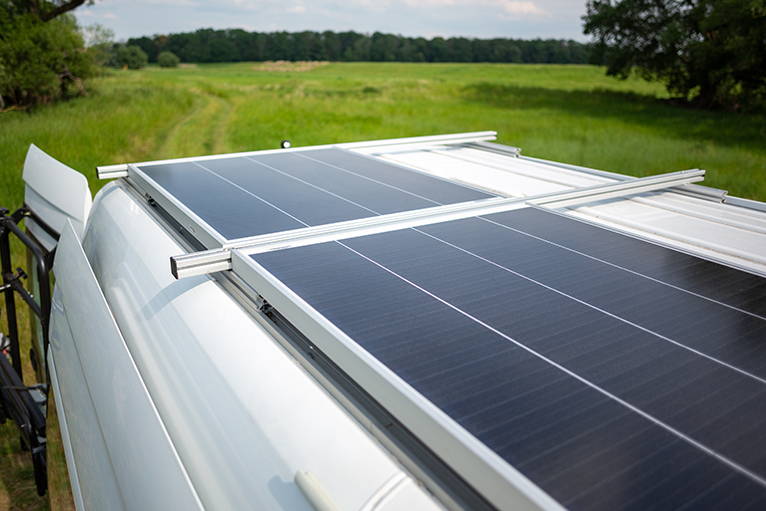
x=40 y=10
x=129 y=56
x=711 y=52
x=40 y=61
x=168 y=59
x=42 y=56
x=208 y=45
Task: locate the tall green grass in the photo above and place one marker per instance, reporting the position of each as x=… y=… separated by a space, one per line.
x=121 y=119
x=569 y=113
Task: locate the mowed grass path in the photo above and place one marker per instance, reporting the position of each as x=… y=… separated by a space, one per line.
x=573 y=114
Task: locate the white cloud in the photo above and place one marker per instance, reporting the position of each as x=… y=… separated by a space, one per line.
x=296 y=9
x=109 y=16
x=508 y=7
x=523 y=8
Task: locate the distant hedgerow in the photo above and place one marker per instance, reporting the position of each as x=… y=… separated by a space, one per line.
x=128 y=56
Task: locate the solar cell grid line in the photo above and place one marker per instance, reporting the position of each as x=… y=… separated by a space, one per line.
x=699 y=262
x=715 y=281
x=656 y=354
x=639 y=302
x=227 y=209
x=283 y=186
x=290 y=267
x=379 y=196
x=252 y=194
x=317 y=187
x=312 y=204
x=425 y=185
x=629 y=323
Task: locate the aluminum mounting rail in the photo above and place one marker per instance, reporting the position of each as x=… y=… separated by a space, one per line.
x=503 y=149
x=219 y=259
x=112 y=171
x=121 y=169
x=614 y=190
x=453 y=138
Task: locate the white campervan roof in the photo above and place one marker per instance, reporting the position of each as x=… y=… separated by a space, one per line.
x=413 y=323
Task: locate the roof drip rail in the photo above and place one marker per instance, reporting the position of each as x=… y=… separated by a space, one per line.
x=219 y=259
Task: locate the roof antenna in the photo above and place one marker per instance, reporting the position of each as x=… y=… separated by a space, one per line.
x=285 y=144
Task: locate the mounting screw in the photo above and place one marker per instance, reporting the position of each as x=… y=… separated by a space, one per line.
x=285 y=144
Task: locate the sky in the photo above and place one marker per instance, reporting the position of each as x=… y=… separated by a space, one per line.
x=523 y=19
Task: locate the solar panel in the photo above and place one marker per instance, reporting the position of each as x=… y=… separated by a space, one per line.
x=729 y=285
x=427 y=186
x=518 y=346
x=613 y=373
x=260 y=194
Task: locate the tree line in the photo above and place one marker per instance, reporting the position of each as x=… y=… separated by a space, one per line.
x=235 y=45
x=708 y=53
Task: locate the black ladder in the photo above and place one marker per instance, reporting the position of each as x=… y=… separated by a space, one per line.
x=25 y=405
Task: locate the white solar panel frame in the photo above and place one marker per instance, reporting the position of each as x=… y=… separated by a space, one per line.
x=496 y=480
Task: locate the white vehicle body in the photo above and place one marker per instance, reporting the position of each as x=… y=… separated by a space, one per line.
x=178 y=394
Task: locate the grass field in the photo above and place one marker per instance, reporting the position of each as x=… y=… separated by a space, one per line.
x=573 y=114
x=568 y=113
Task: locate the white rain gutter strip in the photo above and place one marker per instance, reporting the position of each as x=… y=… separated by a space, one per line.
x=511 y=170
x=578 y=168
x=672 y=235
x=219 y=259
x=656 y=203
x=395 y=158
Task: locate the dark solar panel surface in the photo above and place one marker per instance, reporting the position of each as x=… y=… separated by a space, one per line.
x=253 y=195
x=731 y=286
x=605 y=386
